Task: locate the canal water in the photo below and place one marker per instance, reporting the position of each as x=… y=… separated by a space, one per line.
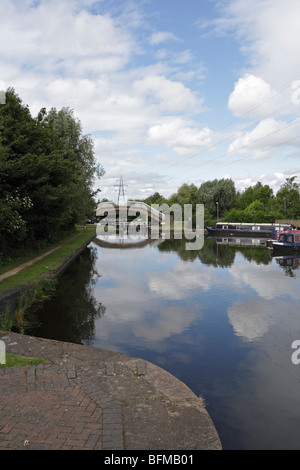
x=221 y=319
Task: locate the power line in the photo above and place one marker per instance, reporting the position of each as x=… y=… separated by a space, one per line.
x=284 y=107
x=297 y=121
x=263 y=151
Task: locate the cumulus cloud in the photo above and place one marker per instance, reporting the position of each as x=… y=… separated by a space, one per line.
x=274 y=180
x=172 y=96
x=268 y=134
x=56 y=35
x=95 y=58
x=176 y=134
x=65 y=53
x=268 y=34
x=252 y=96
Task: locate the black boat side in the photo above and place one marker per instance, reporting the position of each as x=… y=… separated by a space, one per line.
x=246 y=230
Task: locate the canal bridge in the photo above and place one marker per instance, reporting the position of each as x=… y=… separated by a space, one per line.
x=126 y=211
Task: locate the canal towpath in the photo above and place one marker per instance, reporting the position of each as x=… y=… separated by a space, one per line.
x=16 y=270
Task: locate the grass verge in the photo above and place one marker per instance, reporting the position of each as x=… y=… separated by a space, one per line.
x=38 y=279
x=48 y=265
x=13 y=360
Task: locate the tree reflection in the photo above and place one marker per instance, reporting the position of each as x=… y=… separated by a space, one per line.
x=260 y=255
x=70 y=314
x=179 y=247
x=217 y=254
x=211 y=254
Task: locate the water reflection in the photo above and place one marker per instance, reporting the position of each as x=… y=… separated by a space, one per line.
x=221 y=319
x=71 y=313
x=219 y=252
x=290 y=264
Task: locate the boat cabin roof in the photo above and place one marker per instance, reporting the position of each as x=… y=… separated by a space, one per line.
x=247 y=224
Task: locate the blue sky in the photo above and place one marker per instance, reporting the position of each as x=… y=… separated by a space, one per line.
x=172 y=92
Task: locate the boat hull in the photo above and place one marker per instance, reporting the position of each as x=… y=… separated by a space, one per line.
x=285 y=248
x=239 y=233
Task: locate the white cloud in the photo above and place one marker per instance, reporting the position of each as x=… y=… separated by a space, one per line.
x=172 y=96
x=268 y=32
x=162 y=36
x=178 y=135
x=56 y=35
x=268 y=134
x=95 y=58
x=252 y=96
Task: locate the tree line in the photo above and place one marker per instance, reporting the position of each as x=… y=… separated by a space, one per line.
x=47 y=170
x=223 y=201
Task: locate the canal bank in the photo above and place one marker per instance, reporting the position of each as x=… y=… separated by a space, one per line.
x=88 y=398
x=20 y=281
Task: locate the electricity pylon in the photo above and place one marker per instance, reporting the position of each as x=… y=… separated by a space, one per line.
x=122 y=199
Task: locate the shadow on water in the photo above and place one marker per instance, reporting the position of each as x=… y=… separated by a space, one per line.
x=70 y=314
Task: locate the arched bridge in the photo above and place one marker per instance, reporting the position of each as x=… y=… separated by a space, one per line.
x=128 y=211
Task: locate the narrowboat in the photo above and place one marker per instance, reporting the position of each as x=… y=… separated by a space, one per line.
x=248 y=230
x=288 y=242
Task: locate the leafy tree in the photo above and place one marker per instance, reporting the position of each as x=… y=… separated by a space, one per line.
x=257 y=192
x=254 y=212
x=155 y=198
x=187 y=194
x=235 y=215
x=288 y=198
x=47 y=168
x=221 y=191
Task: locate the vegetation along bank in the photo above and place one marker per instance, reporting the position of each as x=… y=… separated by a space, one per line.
x=47 y=187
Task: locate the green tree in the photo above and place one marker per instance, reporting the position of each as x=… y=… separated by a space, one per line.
x=187 y=194
x=155 y=198
x=235 y=215
x=288 y=198
x=221 y=191
x=47 y=169
x=258 y=192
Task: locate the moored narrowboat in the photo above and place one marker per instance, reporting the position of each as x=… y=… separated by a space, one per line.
x=248 y=229
x=288 y=242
